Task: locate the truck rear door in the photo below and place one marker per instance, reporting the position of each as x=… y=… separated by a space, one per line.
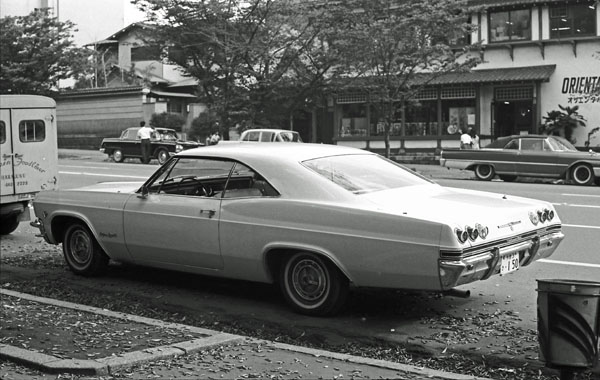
x=32 y=137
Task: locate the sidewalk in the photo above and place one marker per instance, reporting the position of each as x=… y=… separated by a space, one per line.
x=204 y=354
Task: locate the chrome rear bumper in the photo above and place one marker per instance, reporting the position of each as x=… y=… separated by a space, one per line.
x=463 y=270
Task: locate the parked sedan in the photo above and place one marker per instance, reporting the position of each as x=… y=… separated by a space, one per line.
x=528 y=156
x=313 y=218
x=164 y=143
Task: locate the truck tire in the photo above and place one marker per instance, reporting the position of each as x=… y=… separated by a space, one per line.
x=9 y=224
x=118 y=155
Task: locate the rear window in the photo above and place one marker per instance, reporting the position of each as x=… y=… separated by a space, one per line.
x=32 y=131
x=362 y=174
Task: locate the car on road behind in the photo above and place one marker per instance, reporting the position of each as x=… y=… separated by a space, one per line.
x=314 y=218
x=528 y=156
x=270 y=135
x=164 y=143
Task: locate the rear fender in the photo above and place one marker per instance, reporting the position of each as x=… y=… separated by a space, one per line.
x=298 y=247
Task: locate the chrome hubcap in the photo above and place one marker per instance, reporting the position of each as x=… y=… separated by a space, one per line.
x=309 y=280
x=80 y=247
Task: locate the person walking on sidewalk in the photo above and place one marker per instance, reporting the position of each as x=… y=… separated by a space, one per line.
x=144 y=133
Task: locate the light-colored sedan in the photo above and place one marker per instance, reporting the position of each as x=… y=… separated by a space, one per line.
x=314 y=218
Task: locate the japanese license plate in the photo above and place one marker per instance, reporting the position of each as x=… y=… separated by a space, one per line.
x=509 y=263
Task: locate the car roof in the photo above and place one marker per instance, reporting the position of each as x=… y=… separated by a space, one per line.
x=268 y=130
x=267 y=152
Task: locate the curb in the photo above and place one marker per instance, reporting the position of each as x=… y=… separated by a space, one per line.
x=106 y=366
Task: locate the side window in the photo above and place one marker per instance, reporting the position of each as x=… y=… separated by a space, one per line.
x=32 y=131
x=513 y=144
x=532 y=144
x=193 y=176
x=2 y=132
x=267 y=137
x=253 y=136
x=245 y=182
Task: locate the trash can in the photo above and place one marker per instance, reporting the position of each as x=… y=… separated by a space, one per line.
x=568 y=323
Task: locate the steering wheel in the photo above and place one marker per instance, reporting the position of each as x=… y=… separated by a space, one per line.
x=205 y=191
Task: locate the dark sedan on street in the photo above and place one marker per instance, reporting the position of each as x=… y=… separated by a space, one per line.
x=528 y=156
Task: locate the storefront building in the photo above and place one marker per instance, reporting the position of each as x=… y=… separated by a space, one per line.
x=536 y=56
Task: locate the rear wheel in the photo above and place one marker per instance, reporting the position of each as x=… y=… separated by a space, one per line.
x=582 y=175
x=507 y=177
x=9 y=224
x=484 y=172
x=82 y=252
x=312 y=285
x=117 y=155
x=162 y=155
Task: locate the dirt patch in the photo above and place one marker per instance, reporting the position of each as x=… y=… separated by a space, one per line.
x=67 y=333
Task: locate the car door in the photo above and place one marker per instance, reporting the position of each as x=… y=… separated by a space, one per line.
x=176 y=224
x=536 y=158
x=132 y=146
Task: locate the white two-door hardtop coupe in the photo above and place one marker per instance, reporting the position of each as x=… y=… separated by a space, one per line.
x=314 y=218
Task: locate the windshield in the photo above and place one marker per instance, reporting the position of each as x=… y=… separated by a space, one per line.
x=362 y=174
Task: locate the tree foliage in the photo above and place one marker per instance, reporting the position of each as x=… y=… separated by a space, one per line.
x=256 y=61
x=36 y=51
x=167 y=120
x=259 y=61
x=400 y=47
x=563 y=122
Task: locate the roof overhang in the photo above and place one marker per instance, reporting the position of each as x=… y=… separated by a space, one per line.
x=500 y=75
x=171 y=94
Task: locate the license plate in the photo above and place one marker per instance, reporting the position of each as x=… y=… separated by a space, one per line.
x=509 y=263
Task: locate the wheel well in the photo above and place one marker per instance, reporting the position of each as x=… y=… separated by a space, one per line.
x=60 y=225
x=276 y=257
x=576 y=164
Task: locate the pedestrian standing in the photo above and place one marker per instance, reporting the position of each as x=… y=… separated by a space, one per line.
x=466 y=142
x=474 y=138
x=144 y=134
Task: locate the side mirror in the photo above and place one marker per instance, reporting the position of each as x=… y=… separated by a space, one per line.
x=144 y=192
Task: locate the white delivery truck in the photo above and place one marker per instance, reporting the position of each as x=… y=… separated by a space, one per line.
x=28 y=153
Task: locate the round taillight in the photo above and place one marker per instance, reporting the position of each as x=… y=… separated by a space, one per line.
x=542 y=215
x=461 y=235
x=550 y=215
x=482 y=231
x=473 y=233
x=533 y=216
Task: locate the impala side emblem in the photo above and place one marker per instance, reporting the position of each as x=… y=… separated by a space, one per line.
x=510 y=225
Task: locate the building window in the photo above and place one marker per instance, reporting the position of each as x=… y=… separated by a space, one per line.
x=32 y=131
x=510 y=25
x=573 y=20
x=421 y=119
x=174 y=107
x=145 y=53
x=458 y=115
x=378 y=123
x=353 y=120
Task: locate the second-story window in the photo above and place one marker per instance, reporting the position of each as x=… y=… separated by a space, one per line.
x=145 y=53
x=573 y=20
x=512 y=25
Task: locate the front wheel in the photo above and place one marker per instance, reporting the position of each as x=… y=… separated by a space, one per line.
x=9 y=224
x=118 y=155
x=162 y=155
x=82 y=252
x=484 y=172
x=582 y=175
x=312 y=285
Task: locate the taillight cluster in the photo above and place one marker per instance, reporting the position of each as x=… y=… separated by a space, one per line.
x=471 y=233
x=541 y=216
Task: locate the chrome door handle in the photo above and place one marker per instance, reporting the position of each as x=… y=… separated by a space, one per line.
x=210 y=213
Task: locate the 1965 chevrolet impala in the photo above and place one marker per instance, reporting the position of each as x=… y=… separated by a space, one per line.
x=313 y=218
